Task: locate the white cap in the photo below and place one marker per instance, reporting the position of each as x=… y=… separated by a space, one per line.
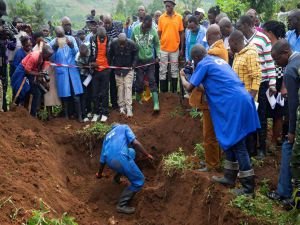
x=200 y=10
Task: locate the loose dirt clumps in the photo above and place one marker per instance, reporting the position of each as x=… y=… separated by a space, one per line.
x=43 y=162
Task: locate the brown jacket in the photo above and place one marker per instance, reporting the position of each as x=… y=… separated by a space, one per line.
x=197 y=97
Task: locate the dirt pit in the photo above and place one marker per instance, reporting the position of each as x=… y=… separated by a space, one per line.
x=42 y=161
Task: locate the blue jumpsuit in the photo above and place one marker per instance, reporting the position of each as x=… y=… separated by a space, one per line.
x=116 y=154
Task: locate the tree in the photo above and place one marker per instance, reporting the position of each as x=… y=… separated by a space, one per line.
x=132 y=7
x=264 y=7
x=120 y=9
x=34 y=16
x=39 y=17
x=155 y=5
x=191 y=5
x=233 y=8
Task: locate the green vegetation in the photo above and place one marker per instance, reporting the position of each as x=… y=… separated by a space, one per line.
x=97 y=129
x=265 y=210
x=176 y=161
x=43 y=114
x=257 y=162
x=37 y=12
x=199 y=151
x=92 y=134
x=195 y=113
x=40 y=217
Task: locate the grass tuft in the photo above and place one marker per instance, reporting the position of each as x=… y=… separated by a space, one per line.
x=264 y=209
x=176 y=161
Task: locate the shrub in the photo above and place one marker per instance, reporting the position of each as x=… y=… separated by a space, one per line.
x=176 y=161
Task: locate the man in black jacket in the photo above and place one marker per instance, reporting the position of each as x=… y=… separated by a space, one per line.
x=123 y=53
x=99 y=47
x=113 y=29
x=290 y=162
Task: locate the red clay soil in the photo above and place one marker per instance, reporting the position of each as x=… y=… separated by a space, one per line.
x=42 y=160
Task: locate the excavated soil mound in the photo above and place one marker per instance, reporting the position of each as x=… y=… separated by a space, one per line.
x=43 y=161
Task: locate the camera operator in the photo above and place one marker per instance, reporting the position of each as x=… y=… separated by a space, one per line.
x=7 y=42
x=17 y=25
x=32 y=67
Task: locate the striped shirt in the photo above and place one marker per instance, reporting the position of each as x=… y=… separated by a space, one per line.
x=264 y=47
x=116 y=29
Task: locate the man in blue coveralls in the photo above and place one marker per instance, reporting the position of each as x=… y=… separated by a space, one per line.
x=117 y=154
x=233 y=114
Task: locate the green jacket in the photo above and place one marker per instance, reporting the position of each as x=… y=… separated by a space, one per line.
x=147 y=43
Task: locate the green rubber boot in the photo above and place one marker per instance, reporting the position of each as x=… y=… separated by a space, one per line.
x=155 y=101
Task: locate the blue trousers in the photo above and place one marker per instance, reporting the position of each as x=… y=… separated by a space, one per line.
x=239 y=153
x=284 y=187
x=126 y=166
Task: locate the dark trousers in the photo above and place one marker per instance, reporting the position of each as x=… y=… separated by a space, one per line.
x=100 y=84
x=12 y=69
x=37 y=95
x=262 y=114
x=239 y=153
x=156 y=75
x=251 y=142
x=3 y=77
x=149 y=72
x=113 y=90
x=86 y=98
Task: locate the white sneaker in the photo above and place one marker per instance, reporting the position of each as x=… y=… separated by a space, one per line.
x=122 y=111
x=129 y=113
x=95 y=118
x=86 y=119
x=89 y=115
x=103 y=118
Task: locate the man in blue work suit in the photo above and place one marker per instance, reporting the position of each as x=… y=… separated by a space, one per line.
x=233 y=114
x=120 y=158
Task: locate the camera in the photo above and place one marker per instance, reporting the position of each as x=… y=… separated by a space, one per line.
x=43 y=81
x=23 y=26
x=7 y=30
x=188 y=71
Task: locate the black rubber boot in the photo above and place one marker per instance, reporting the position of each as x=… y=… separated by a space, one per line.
x=124 y=200
x=66 y=109
x=78 y=111
x=163 y=86
x=248 y=183
x=174 y=85
x=231 y=170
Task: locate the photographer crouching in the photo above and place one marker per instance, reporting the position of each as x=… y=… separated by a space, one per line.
x=7 y=41
x=30 y=77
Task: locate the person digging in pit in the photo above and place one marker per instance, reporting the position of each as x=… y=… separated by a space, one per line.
x=117 y=154
x=233 y=113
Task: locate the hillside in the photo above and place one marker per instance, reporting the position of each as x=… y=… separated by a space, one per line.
x=79 y=9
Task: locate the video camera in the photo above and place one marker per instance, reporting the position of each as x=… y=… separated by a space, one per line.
x=7 y=30
x=188 y=71
x=43 y=81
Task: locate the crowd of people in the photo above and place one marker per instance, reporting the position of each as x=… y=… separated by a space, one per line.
x=239 y=74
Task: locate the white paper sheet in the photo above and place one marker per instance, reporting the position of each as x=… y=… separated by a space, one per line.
x=280 y=99
x=272 y=99
x=87 y=81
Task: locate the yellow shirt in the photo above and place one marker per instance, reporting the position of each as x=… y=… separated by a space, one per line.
x=246 y=65
x=170 y=26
